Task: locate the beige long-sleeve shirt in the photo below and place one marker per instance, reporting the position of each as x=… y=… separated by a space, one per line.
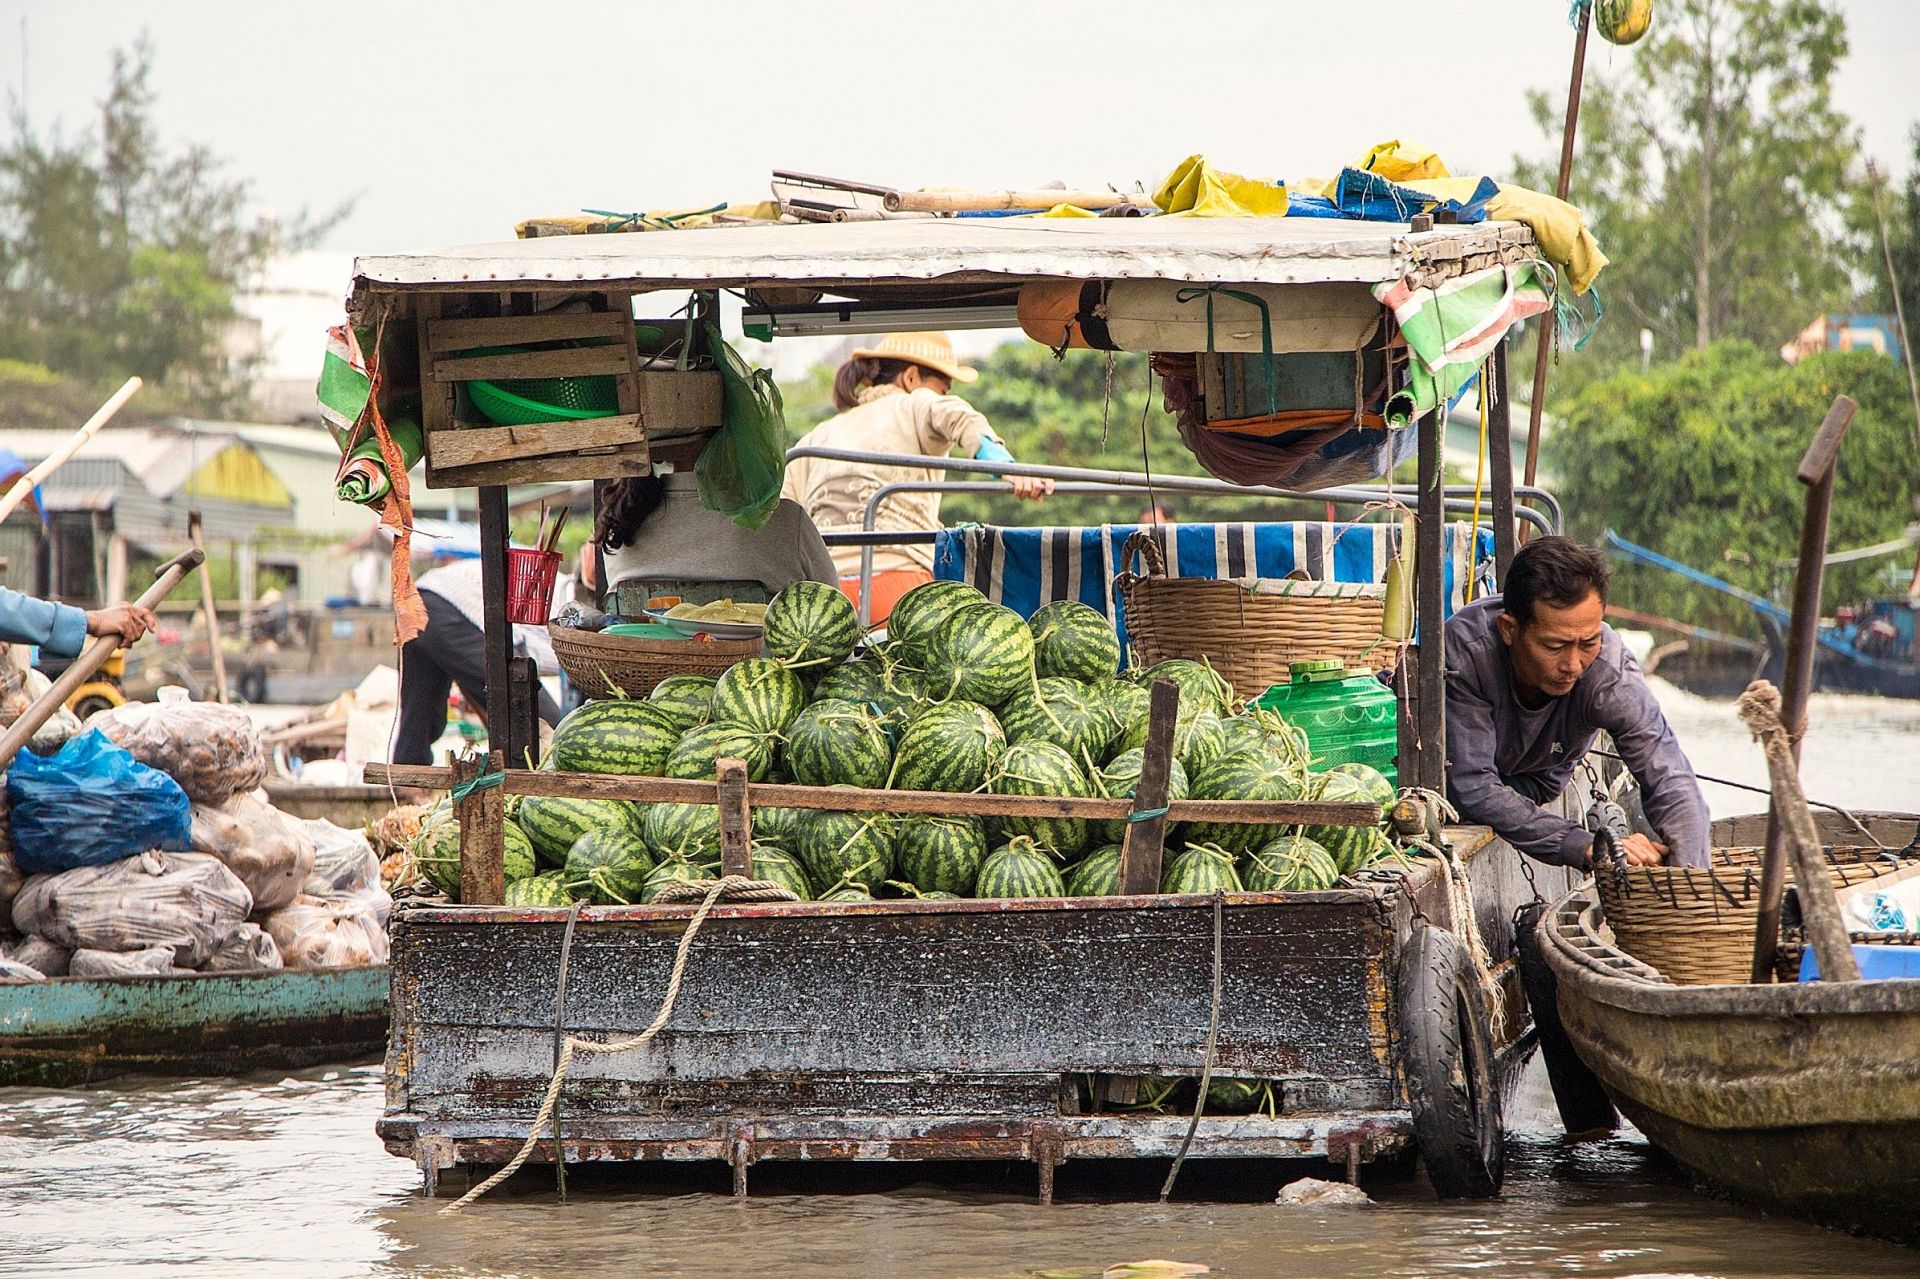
x=887 y=420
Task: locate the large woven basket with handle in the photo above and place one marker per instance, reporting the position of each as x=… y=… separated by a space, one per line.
x=1250 y=631
x=1696 y=924
x=603 y=666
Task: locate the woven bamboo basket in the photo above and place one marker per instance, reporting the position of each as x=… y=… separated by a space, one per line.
x=1247 y=635
x=604 y=666
x=1696 y=924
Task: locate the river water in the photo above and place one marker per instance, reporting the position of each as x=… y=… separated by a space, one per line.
x=282 y=1175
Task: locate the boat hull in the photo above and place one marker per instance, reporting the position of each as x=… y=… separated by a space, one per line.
x=68 y=1031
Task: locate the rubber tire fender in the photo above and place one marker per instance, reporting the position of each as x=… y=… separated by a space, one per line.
x=1446 y=1054
x=252 y=684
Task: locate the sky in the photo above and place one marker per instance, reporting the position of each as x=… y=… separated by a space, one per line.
x=446 y=122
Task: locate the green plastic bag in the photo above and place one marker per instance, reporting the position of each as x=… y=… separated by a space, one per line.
x=743 y=466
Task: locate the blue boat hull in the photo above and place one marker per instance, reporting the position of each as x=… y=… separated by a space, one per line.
x=75 y=1030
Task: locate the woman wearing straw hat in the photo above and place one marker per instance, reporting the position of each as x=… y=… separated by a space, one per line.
x=894 y=397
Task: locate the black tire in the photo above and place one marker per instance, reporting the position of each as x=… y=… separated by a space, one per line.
x=252 y=684
x=92 y=704
x=1583 y=1103
x=1446 y=1050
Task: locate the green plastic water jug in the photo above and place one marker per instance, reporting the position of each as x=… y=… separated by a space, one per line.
x=1349 y=716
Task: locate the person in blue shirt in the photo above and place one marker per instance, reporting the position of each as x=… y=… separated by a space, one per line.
x=61 y=629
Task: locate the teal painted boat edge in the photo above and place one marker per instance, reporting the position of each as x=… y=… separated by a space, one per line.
x=62 y=1006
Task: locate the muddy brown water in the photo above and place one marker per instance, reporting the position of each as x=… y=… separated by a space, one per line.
x=283 y=1176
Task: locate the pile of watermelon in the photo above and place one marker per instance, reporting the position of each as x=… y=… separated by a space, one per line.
x=963 y=695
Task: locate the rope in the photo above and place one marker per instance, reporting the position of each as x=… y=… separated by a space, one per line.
x=1206 y=1067
x=1145 y=815
x=731 y=888
x=485 y=781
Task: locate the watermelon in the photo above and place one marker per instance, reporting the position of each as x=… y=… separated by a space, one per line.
x=438 y=854
x=1117 y=781
x=1291 y=863
x=695 y=755
x=675 y=870
x=1242 y=775
x=554 y=823
x=547 y=889
x=858 y=682
x=846 y=848
x=1073 y=640
x=688 y=832
x=980 y=654
x=923 y=611
x=1352 y=847
x=1019 y=868
x=835 y=743
x=1373 y=784
x=778 y=867
x=949 y=747
x=1202 y=868
x=686 y=699
x=940 y=854
x=1265 y=732
x=614 y=736
x=1201 y=687
x=776 y=826
x=1199 y=741
x=810 y=625
x=1227 y=1095
x=608 y=866
x=759 y=695
x=1097 y=874
x=1125 y=706
x=846 y=893
x=1041 y=768
x=1061 y=714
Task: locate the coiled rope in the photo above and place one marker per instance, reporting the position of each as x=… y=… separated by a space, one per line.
x=708 y=893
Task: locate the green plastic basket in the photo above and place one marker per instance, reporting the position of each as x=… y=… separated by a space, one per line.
x=525 y=401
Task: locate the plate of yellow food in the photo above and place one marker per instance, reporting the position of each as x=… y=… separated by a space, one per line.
x=722 y=619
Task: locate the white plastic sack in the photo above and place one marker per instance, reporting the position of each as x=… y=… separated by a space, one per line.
x=346 y=870
x=10 y=876
x=154 y=961
x=246 y=949
x=20 y=689
x=270 y=852
x=213 y=751
x=188 y=901
x=40 y=954
x=313 y=933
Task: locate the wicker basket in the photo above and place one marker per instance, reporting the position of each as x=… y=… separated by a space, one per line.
x=1696 y=925
x=1250 y=637
x=603 y=666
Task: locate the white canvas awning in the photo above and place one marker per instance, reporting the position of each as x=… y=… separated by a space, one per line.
x=960 y=251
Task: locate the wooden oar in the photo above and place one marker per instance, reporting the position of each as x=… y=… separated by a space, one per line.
x=98 y=650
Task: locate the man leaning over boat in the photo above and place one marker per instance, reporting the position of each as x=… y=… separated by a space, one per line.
x=1534 y=675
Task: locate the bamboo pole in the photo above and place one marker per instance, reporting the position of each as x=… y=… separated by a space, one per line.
x=58 y=458
x=198 y=537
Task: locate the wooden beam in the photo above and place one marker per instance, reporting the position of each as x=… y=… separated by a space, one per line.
x=579 y=361
x=466 y=445
x=736 y=820
x=631 y=459
x=1430 y=760
x=497 y=633
x=464 y=335
x=483 y=842
x=1142 y=848
x=1500 y=458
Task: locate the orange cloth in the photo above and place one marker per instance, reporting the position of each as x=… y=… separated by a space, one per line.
x=888 y=587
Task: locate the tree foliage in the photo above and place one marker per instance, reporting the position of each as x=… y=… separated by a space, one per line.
x=1696 y=459
x=1716 y=171
x=1900 y=205
x=119 y=256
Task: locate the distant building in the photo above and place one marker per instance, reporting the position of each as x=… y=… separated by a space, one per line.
x=1845 y=333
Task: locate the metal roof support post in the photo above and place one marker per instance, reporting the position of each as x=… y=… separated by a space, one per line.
x=1500 y=458
x=1430 y=763
x=501 y=726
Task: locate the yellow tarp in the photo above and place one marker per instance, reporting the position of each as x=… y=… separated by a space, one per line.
x=1398 y=161
x=1196 y=189
x=1558 y=227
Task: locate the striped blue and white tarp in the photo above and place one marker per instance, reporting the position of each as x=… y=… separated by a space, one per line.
x=1024 y=568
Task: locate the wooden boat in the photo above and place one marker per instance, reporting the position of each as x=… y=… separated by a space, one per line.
x=1803 y=1097
x=76 y=1030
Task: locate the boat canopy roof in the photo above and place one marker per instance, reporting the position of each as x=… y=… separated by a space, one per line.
x=968 y=251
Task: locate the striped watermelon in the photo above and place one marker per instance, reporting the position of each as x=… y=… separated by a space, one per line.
x=675 y=870
x=608 y=866
x=759 y=695
x=1352 y=847
x=950 y=747
x=810 y=624
x=1291 y=863
x=1073 y=640
x=1373 y=784
x=1019 y=868
x=686 y=832
x=940 y=854
x=1117 y=780
x=835 y=743
x=1202 y=868
x=778 y=827
x=1242 y=775
x=1097 y=874
x=1201 y=687
x=779 y=867
x=981 y=654
x=1063 y=715
x=846 y=893
x=1199 y=741
x=438 y=855
x=846 y=848
x=695 y=755
x=860 y=681
x=548 y=889
x=923 y=612
x=554 y=824
x=1041 y=768
x=687 y=700
x=1125 y=706
x=1227 y=1095
x=614 y=736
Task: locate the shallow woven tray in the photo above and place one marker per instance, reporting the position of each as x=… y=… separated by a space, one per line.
x=603 y=666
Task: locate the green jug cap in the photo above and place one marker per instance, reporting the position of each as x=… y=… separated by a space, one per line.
x=1315 y=671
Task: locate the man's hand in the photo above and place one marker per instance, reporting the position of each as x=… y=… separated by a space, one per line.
x=1030 y=488
x=1641 y=851
x=128 y=621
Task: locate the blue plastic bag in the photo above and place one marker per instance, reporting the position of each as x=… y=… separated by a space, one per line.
x=91 y=803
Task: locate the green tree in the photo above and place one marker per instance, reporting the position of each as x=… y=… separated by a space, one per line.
x=1900 y=204
x=118 y=256
x=1715 y=170
x=1696 y=459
